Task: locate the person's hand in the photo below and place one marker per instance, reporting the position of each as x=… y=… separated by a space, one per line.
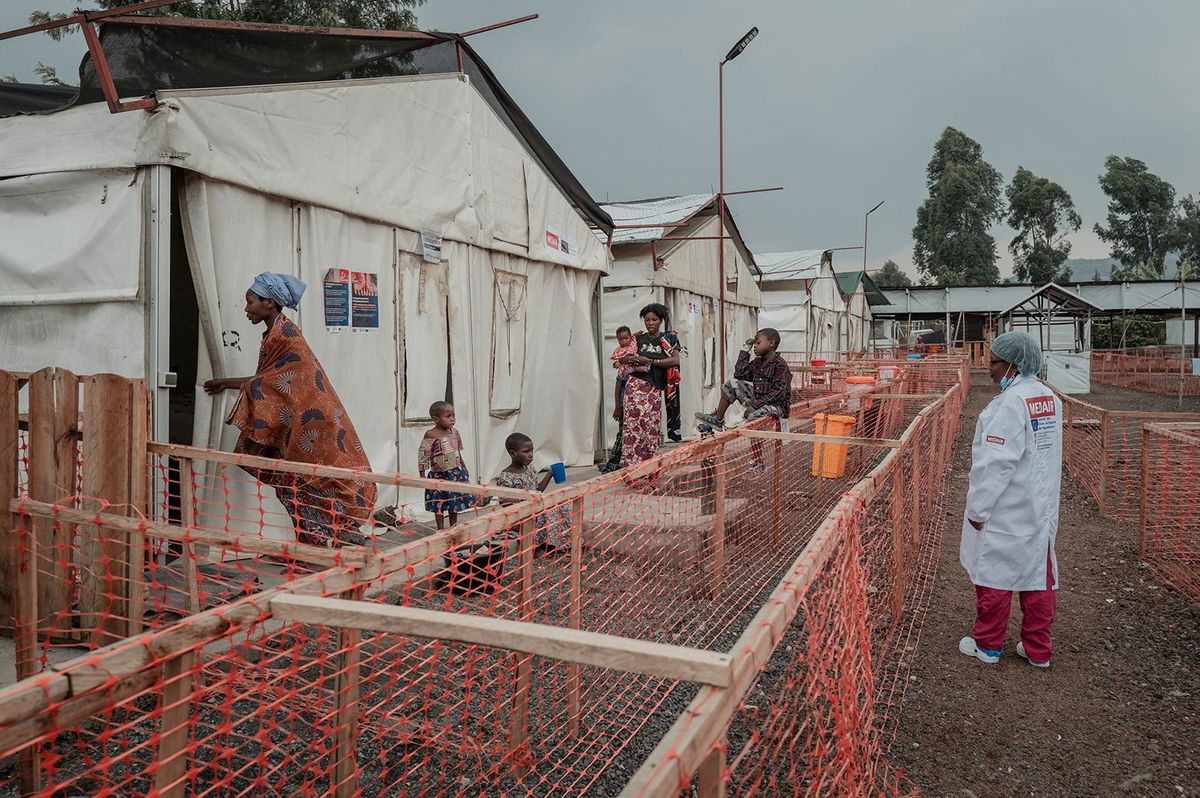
x=977 y=524
x=631 y=360
x=617 y=412
x=214 y=387
x=749 y=342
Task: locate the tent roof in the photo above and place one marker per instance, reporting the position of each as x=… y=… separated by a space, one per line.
x=801 y=264
x=1146 y=296
x=657 y=215
x=31 y=98
x=169 y=54
x=1060 y=296
x=848 y=282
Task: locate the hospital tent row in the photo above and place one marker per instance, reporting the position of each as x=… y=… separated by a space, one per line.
x=449 y=251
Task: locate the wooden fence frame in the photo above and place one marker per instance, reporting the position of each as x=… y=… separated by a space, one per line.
x=128 y=665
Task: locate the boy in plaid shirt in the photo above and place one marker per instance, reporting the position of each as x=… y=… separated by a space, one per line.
x=763 y=385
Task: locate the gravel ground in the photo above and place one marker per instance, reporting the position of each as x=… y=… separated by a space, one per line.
x=1118 y=713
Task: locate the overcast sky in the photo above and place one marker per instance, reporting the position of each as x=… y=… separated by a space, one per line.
x=839 y=101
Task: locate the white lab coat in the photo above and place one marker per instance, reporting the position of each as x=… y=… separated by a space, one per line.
x=1016 y=475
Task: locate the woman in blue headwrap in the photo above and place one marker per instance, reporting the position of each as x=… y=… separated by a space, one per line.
x=288 y=410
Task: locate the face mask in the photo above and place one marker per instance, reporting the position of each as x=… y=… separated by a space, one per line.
x=1006 y=381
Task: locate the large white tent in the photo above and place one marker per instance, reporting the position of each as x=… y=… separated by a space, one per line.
x=127 y=242
x=802 y=300
x=665 y=250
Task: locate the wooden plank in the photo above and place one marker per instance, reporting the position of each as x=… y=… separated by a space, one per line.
x=66 y=426
x=178 y=686
x=710 y=777
x=567 y=645
x=519 y=740
x=187 y=506
x=10 y=450
x=346 y=689
x=898 y=542
x=575 y=615
x=217 y=537
x=718 y=536
x=25 y=629
x=139 y=493
x=107 y=429
x=312 y=469
x=48 y=482
x=806 y=436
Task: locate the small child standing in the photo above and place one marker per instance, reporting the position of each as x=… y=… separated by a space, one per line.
x=763 y=385
x=440 y=457
x=626 y=345
x=553 y=526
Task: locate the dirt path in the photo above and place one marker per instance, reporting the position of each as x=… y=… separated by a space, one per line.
x=1118 y=713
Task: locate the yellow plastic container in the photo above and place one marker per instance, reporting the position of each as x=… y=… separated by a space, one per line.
x=829 y=459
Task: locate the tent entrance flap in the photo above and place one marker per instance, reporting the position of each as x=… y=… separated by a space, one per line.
x=425 y=335
x=509 y=315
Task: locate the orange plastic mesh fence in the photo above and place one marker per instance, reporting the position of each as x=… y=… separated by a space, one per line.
x=1156 y=369
x=172 y=664
x=1103 y=450
x=1170 y=527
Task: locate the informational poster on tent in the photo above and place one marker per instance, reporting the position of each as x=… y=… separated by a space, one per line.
x=693 y=313
x=431 y=246
x=351 y=301
x=336 y=290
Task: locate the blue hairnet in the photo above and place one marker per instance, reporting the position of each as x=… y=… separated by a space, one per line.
x=283 y=288
x=1021 y=349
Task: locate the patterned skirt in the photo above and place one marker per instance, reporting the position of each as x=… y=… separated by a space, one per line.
x=444 y=501
x=641 y=423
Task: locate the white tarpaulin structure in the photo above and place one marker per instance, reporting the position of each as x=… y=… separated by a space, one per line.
x=802 y=300
x=671 y=257
x=127 y=242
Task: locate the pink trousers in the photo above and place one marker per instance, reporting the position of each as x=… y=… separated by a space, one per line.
x=992 y=607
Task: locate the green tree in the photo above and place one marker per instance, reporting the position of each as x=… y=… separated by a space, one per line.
x=1188 y=236
x=1141 y=217
x=891 y=276
x=951 y=242
x=1042 y=213
x=372 y=14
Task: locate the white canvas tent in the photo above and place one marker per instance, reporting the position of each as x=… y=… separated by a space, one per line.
x=665 y=250
x=127 y=242
x=802 y=300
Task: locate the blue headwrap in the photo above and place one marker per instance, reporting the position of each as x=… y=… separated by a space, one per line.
x=285 y=289
x=1021 y=349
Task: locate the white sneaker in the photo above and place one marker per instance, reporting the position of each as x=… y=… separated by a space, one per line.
x=968 y=647
x=1021 y=653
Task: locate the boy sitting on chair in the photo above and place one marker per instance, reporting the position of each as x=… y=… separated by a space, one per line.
x=763 y=385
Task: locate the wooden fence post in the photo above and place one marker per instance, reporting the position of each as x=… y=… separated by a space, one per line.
x=1103 y=491
x=710 y=776
x=777 y=488
x=10 y=447
x=25 y=634
x=139 y=500
x=574 y=616
x=53 y=422
x=104 y=585
x=718 y=541
x=524 y=662
x=345 y=759
x=175 y=728
x=1143 y=494
x=898 y=541
x=187 y=507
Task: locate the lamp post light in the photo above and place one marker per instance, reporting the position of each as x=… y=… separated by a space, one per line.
x=733 y=53
x=863 y=279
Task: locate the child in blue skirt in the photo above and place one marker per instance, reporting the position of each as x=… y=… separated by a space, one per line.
x=440 y=457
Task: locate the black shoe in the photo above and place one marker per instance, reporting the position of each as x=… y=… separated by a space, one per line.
x=675 y=436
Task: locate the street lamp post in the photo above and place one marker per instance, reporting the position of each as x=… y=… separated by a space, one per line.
x=862 y=281
x=733 y=53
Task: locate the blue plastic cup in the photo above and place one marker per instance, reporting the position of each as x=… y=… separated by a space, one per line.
x=559 y=472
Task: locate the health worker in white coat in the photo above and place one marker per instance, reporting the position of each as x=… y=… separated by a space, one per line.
x=1011 y=518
